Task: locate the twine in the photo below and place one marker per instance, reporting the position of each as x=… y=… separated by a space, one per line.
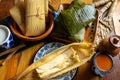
x=38 y=14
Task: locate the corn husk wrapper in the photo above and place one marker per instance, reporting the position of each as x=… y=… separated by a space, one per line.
x=46 y=8
x=60 y=61
x=35 y=17
x=17 y=12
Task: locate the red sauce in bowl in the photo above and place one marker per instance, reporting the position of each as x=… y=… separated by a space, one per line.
x=103 y=62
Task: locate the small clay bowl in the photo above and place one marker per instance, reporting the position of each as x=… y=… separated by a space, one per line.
x=15 y=29
x=102 y=63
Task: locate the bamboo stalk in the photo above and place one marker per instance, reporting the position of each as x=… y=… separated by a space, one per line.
x=100 y=2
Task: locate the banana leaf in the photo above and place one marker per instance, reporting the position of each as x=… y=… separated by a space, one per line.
x=71 y=22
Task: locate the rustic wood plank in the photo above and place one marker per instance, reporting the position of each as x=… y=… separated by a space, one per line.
x=27 y=56
x=85 y=73
x=5 y=5
x=11 y=66
x=3 y=72
x=9 y=69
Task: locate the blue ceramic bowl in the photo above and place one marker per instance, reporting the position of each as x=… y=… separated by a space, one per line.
x=102 y=62
x=6 y=38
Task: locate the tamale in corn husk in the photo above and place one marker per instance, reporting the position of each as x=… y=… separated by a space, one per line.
x=46 y=8
x=60 y=61
x=35 y=17
x=71 y=22
x=18 y=12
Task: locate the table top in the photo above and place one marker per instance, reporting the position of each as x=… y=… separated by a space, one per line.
x=22 y=59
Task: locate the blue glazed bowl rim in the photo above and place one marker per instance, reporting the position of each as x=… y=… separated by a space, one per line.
x=103 y=72
x=7 y=31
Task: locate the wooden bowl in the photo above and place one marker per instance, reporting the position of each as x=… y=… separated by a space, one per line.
x=15 y=29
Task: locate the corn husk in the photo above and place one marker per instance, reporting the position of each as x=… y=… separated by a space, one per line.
x=62 y=59
x=35 y=17
x=17 y=12
x=104 y=8
x=112 y=8
x=46 y=7
x=100 y=2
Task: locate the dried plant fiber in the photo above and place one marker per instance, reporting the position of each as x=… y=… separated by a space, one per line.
x=35 y=17
x=17 y=12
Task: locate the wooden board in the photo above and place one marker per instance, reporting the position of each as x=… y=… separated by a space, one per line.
x=25 y=57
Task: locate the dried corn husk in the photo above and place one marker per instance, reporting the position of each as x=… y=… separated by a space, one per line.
x=17 y=12
x=100 y=2
x=35 y=17
x=46 y=8
x=106 y=26
x=103 y=9
x=112 y=8
x=16 y=2
x=72 y=55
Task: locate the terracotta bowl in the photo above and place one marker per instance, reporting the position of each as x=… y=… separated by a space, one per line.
x=49 y=27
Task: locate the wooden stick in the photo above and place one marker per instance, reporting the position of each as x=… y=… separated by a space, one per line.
x=12 y=49
x=8 y=57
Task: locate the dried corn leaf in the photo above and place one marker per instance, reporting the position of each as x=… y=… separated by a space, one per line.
x=62 y=59
x=35 y=17
x=17 y=12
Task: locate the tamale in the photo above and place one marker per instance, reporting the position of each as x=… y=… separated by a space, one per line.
x=63 y=59
x=17 y=12
x=72 y=20
x=35 y=17
x=46 y=8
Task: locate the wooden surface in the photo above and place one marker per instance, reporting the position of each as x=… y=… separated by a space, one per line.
x=24 y=58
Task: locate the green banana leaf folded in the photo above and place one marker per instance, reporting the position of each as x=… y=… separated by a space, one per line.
x=71 y=22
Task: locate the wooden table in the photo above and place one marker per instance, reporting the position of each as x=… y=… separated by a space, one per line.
x=24 y=58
